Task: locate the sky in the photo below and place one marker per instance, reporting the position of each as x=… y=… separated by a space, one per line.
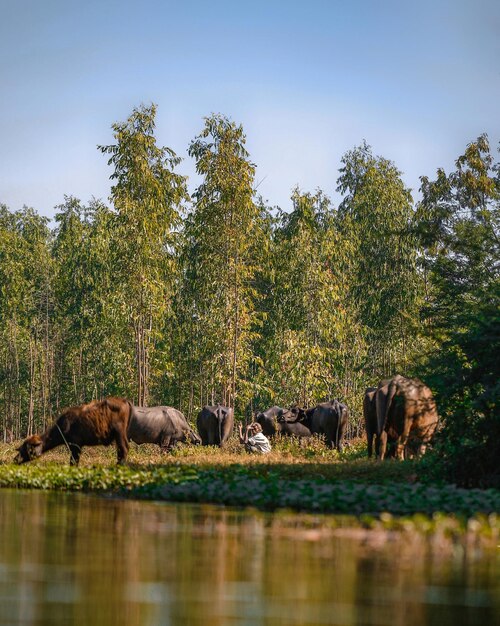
x=307 y=80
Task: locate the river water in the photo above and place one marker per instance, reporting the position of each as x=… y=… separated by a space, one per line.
x=76 y=559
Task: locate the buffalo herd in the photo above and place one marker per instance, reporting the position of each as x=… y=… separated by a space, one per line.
x=400 y=419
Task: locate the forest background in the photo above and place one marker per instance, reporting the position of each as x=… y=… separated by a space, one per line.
x=218 y=298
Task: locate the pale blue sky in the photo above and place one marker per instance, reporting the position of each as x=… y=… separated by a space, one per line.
x=308 y=81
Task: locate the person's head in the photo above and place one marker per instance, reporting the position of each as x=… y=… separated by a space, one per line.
x=255 y=428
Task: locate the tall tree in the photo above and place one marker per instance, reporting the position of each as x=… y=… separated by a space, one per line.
x=92 y=341
x=293 y=356
x=459 y=226
x=26 y=309
x=147 y=196
x=222 y=235
x=375 y=218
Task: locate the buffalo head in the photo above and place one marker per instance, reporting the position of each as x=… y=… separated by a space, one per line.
x=296 y=414
x=30 y=449
x=191 y=437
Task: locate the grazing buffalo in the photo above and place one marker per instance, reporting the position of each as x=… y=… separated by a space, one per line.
x=406 y=413
x=215 y=425
x=370 y=415
x=97 y=423
x=162 y=425
x=328 y=419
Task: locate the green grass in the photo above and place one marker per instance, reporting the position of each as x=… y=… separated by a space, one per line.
x=309 y=478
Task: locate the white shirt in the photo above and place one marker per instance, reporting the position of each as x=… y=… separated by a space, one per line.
x=261 y=442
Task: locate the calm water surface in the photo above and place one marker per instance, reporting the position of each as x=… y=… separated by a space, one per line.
x=75 y=559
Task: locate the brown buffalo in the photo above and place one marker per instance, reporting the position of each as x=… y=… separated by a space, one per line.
x=97 y=423
x=406 y=413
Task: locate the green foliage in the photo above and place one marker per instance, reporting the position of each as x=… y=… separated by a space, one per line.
x=374 y=220
x=216 y=303
x=147 y=197
x=92 y=334
x=228 y=300
x=26 y=304
x=357 y=488
x=459 y=227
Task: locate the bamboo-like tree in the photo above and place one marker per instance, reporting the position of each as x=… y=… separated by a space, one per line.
x=147 y=195
x=92 y=339
x=375 y=219
x=222 y=235
x=26 y=315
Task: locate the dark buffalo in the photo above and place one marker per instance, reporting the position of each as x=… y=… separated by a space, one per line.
x=370 y=415
x=162 y=425
x=328 y=419
x=97 y=423
x=406 y=413
x=277 y=420
x=288 y=425
x=268 y=420
x=215 y=425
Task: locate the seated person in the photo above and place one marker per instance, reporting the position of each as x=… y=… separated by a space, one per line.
x=254 y=440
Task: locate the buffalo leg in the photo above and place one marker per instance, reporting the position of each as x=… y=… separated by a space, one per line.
x=369 y=439
x=76 y=451
x=403 y=440
x=166 y=444
x=121 y=447
x=340 y=437
x=382 y=444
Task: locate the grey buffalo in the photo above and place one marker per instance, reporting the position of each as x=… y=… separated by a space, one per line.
x=162 y=425
x=215 y=425
x=328 y=419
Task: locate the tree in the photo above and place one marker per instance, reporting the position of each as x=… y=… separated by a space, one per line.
x=459 y=224
x=26 y=308
x=222 y=235
x=292 y=354
x=92 y=338
x=375 y=220
x=147 y=196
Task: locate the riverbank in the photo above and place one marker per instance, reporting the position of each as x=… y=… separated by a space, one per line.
x=302 y=479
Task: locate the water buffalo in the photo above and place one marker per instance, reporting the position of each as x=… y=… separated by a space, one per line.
x=370 y=415
x=330 y=419
x=407 y=413
x=296 y=428
x=268 y=420
x=215 y=425
x=277 y=420
x=162 y=425
x=97 y=423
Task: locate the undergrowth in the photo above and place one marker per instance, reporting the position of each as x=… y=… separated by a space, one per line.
x=309 y=478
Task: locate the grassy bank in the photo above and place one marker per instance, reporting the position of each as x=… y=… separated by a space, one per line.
x=299 y=478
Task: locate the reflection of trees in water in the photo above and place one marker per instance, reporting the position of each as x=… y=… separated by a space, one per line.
x=412 y=579
x=90 y=560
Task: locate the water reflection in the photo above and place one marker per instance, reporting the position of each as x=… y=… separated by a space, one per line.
x=72 y=559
